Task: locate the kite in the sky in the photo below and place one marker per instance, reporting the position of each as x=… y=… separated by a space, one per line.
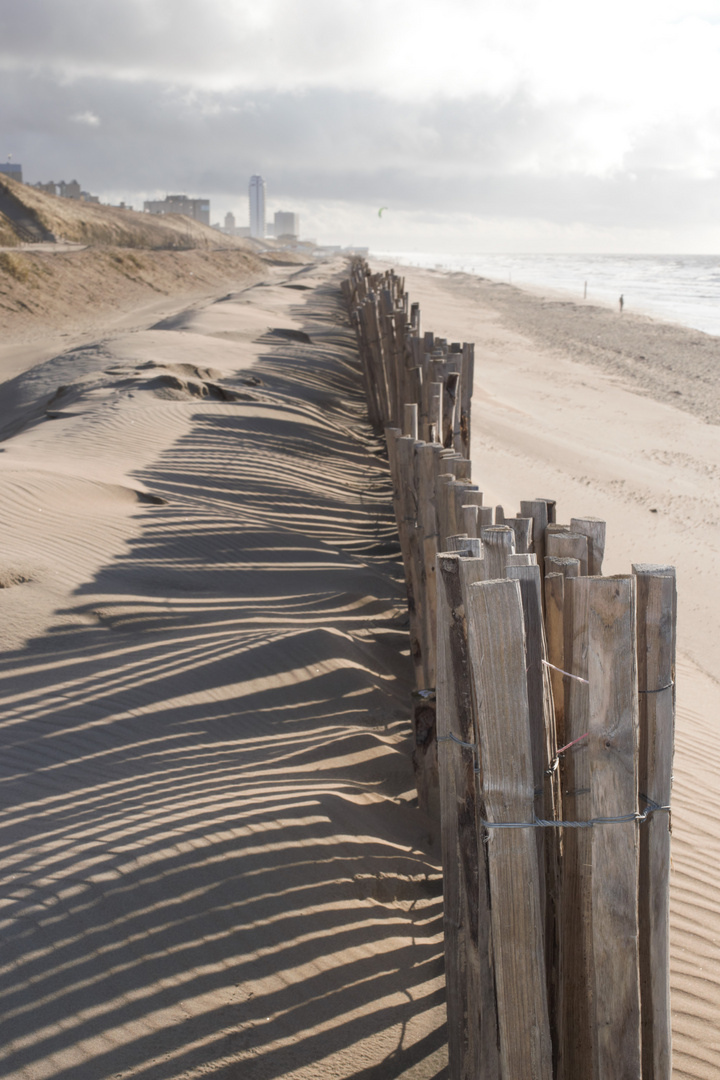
x=381 y=210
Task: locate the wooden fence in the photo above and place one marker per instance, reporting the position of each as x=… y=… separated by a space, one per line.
x=544 y=728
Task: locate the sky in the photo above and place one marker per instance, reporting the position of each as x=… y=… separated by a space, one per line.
x=482 y=125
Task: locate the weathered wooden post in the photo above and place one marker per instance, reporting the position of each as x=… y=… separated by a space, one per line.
x=497 y=654
x=472 y=1011
x=600 y=985
x=656 y=635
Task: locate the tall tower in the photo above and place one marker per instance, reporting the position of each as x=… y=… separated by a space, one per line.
x=257 y=207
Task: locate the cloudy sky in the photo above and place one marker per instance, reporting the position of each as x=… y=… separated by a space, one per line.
x=482 y=125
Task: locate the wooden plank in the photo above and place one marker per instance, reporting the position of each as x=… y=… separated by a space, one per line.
x=540 y=704
x=544 y=743
x=554 y=609
x=577 y=1036
x=656 y=642
x=472 y=1017
x=497 y=654
x=594 y=529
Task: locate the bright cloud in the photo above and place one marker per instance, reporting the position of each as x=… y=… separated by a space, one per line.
x=87 y=117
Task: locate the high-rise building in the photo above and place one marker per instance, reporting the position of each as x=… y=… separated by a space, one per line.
x=257 y=207
x=287 y=224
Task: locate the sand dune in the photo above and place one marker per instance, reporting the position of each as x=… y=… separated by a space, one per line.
x=211 y=859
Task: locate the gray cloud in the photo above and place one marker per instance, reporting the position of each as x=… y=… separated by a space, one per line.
x=474 y=156
x=189 y=41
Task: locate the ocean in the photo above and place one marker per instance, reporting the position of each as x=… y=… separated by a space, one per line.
x=683 y=289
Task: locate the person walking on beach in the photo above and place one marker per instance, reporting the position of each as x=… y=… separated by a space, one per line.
x=622 y=303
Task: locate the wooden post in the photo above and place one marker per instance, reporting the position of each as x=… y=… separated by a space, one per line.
x=425 y=758
x=558 y=564
x=485 y=517
x=444 y=506
x=524 y=558
x=613 y=747
x=522 y=527
x=466 y=388
x=498 y=543
x=462 y=468
x=435 y=408
x=551 y=509
x=410 y=421
x=497 y=653
x=472 y=1017
x=412 y=558
x=557 y=567
x=426 y=465
x=568 y=545
x=470 y=518
x=656 y=635
x=458 y=492
x=464 y=544
x=594 y=529
x=537 y=509
x=601 y=987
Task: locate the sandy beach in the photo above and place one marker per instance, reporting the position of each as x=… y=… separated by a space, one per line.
x=618 y=417
x=211 y=859
x=213 y=862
